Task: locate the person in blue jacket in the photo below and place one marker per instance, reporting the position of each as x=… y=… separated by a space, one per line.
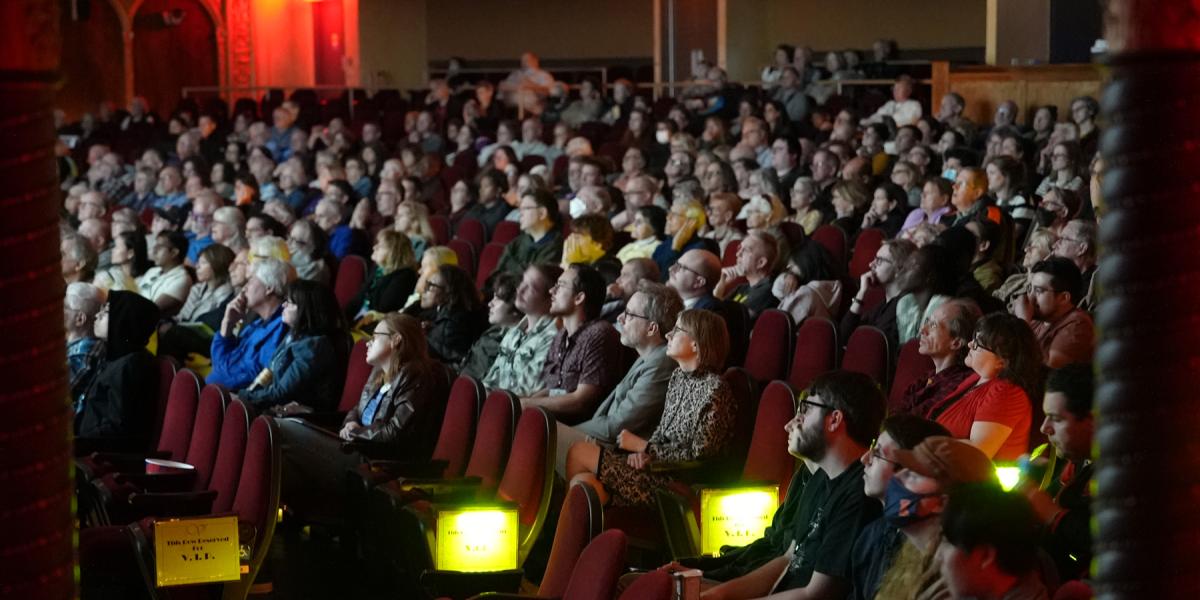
x=309 y=366
x=252 y=328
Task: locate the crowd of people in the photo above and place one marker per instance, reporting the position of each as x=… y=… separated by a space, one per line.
x=645 y=233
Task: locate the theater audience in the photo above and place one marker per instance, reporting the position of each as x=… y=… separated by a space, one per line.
x=252 y=328
x=129 y=260
x=503 y=315
x=389 y=283
x=590 y=243
x=522 y=356
x=887 y=209
x=541 y=237
x=699 y=414
x=78 y=259
x=452 y=315
x=989 y=547
x=685 y=221
x=307 y=369
x=1077 y=242
x=307 y=245
x=695 y=276
x=885 y=270
x=927 y=283
x=944 y=338
x=212 y=288
x=1038 y=247
x=970 y=194
x=84 y=350
x=756 y=259
x=648 y=228
x=412 y=220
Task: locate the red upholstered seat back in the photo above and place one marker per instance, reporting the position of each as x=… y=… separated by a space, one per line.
x=526 y=476
x=441 y=229
x=768 y=458
x=254 y=498
x=655 y=585
x=458 y=425
x=595 y=575
x=488 y=259
x=867 y=352
x=834 y=240
x=206 y=433
x=865 y=247
x=911 y=365
x=816 y=352
x=227 y=466
x=493 y=438
x=581 y=519
x=770 y=351
x=357 y=372
x=167 y=367
x=180 y=414
x=729 y=257
x=473 y=232
x=465 y=253
x=505 y=232
x=351 y=274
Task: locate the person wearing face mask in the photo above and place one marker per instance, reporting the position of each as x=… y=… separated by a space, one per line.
x=1058 y=207
x=914 y=501
x=810 y=286
x=880 y=541
x=307 y=244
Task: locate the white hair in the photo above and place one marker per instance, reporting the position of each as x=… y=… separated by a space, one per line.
x=85 y=298
x=273 y=273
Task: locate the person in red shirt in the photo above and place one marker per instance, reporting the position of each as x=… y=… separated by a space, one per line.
x=991 y=409
x=1065 y=332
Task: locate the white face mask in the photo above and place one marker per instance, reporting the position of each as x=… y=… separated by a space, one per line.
x=577 y=207
x=777 y=288
x=662 y=136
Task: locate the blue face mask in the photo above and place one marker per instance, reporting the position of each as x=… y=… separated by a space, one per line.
x=950 y=174
x=903 y=506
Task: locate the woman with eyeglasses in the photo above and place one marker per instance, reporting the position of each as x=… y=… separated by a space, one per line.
x=991 y=409
x=451 y=310
x=697 y=423
x=308 y=247
x=308 y=367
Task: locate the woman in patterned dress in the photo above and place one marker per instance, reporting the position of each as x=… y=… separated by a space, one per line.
x=697 y=422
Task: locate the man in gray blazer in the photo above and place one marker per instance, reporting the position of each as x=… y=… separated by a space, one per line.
x=636 y=403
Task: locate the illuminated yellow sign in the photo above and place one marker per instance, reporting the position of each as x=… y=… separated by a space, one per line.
x=1008 y=476
x=735 y=517
x=476 y=539
x=191 y=551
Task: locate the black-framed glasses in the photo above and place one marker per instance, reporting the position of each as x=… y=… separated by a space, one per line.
x=685 y=268
x=678 y=329
x=876 y=454
x=805 y=403
x=635 y=315
x=980 y=345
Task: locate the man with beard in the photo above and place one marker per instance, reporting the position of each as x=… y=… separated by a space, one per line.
x=806 y=551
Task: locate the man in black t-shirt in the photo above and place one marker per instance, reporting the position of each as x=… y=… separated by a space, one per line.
x=833 y=428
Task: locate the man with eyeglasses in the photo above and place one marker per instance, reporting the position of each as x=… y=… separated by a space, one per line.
x=695 y=276
x=541 y=239
x=880 y=541
x=199 y=226
x=1065 y=332
x=833 y=428
x=1077 y=242
x=636 y=404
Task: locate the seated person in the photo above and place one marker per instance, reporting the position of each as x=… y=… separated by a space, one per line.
x=884 y=271
x=991 y=409
x=522 y=356
x=85 y=352
x=129 y=259
x=810 y=286
x=633 y=273
x=583 y=363
x=985 y=267
x=887 y=210
x=433 y=259
x=590 y=243
x=989 y=545
x=1038 y=247
x=167 y=283
x=944 y=338
x=452 y=312
x=541 y=236
x=832 y=430
x=412 y=220
x=491 y=209
x=635 y=405
x=333 y=218
x=503 y=315
x=698 y=419
x=927 y=281
x=1077 y=242
x=756 y=259
x=396 y=408
x=390 y=283
x=308 y=368
x=212 y=288
x=914 y=499
x=648 y=228
x=120 y=401
x=684 y=222
x=252 y=328
x=882 y=540
x=1065 y=333
x=1064 y=509
x=308 y=247
x=695 y=276
x=723 y=208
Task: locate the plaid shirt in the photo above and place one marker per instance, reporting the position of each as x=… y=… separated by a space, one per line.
x=83 y=357
x=518 y=365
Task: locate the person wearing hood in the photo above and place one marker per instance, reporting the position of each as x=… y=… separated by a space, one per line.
x=121 y=400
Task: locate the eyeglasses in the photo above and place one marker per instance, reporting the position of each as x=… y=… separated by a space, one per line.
x=1038 y=290
x=636 y=316
x=883 y=260
x=875 y=454
x=685 y=268
x=678 y=329
x=429 y=285
x=975 y=343
x=805 y=403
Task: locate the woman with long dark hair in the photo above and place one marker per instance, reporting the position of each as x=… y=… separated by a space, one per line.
x=991 y=409
x=452 y=308
x=129 y=260
x=308 y=368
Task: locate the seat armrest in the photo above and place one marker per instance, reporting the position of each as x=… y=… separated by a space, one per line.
x=160 y=482
x=330 y=420
x=395 y=469
x=174 y=504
